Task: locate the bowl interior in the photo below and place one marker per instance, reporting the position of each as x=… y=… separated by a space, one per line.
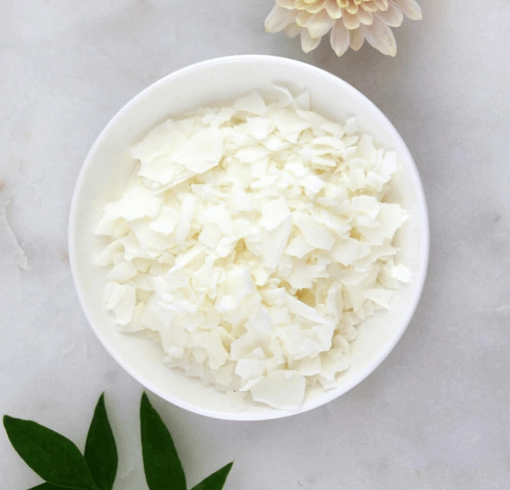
x=109 y=165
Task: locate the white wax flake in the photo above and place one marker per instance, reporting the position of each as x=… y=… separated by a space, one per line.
x=121 y=300
x=299 y=343
x=287 y=121
x=146 y=241
x=166 y=221
x=122 y=272
x=237 y=284
x=274 y=213
x=250 y=368
x=326 y=144
x=186 y=158
x=259 y=127
x=163 y=171
x=380 y=296
x=136 y=202
x=303 y=310
x=346 y=251
x=335 y=129
x=210 y=235
x=251 y=154
x=303 y=101
x=315 y=120
x=259 y=168
x=107 y=256
x=390 y=219
x=366 y=149
x=312 y=185
x=388 y=166
x=303 y=275
x=251 y=242
x=155 y=144
x=283 y=96
x=245 y=344
x=366 y=204
x=202 y=151
x=113 y=228
x=338 y=224
x=299 y=247
x=260 y=319
x=215 y=351
x=252 y=103
x=281 y=389
x=315 y=233
x=274 y=242
x=333 y=362
x=239 y=200
x=186 y=215
x=401 y=272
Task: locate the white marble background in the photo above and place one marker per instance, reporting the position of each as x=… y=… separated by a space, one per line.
x=436 y=413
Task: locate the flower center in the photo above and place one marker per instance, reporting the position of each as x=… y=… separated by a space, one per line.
x=350 y=6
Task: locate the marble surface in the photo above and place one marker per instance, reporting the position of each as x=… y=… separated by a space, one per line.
x=435 y=414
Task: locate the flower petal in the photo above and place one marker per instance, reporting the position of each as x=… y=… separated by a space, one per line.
x=307 y=42
x=319 y=24
x=278 y=19
x=302 y=17
x=370 y=6
x=339 y=38
x=410 y=8
x=392 y=17
x=310 y=7
x=365 y=17
x=293 y=30
x=350 y=21
x=333 y=9
x=352 y=8
x=381 y=4
x=357 y=38
x=286 y=4
x=381 y=37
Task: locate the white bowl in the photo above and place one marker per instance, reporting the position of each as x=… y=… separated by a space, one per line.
x=108 y=166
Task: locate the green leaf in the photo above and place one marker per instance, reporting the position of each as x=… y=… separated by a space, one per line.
x=216 y=480
x=52 y=456
x=100 y=449
x=162 y=466
x=48 y=486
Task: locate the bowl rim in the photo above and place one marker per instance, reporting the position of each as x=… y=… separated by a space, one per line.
x=421 y=273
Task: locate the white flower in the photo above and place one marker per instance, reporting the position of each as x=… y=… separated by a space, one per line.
x=349 y=22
